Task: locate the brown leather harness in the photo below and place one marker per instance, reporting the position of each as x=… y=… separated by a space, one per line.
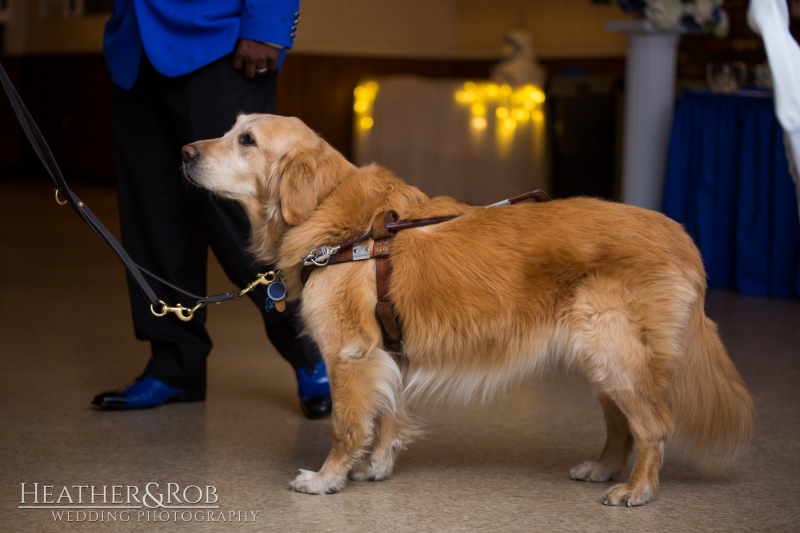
x=385 y=226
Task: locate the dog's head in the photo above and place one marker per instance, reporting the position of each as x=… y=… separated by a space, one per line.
x=276 y=167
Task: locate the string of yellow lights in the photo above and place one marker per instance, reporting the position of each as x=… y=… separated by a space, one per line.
x=512 y=106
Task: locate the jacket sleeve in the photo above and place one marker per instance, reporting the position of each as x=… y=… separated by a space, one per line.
x=270 y=21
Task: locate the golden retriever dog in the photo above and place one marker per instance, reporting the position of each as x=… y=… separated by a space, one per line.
x=485 y=301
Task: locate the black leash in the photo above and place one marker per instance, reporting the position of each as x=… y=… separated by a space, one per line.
x=157 y=306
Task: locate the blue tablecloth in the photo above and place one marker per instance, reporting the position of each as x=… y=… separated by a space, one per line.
x=728 y=182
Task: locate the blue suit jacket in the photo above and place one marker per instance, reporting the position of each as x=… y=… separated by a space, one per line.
x=180 y=36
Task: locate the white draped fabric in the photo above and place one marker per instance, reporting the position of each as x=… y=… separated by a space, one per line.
x=770 y=18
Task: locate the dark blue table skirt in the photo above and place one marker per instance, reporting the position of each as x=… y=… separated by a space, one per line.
x=728 y=183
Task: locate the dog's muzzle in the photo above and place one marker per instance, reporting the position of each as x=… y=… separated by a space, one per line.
x=190 y=156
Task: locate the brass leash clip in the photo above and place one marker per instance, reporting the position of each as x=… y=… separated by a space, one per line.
x=266 y=278
x=183 y=313
x=59 y=201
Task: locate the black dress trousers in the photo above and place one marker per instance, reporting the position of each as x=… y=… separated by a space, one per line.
x=168 y=225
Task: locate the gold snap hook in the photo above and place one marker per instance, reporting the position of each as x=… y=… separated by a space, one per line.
x=185 y=314
x=59 y=201
x=164 y=308
x=266 y=278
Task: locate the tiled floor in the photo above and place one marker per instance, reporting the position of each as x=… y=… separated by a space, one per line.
x=66 y=335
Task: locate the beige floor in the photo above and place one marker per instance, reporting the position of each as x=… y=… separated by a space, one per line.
x=66 y=336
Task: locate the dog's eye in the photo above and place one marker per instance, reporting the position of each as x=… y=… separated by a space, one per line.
x=247 y=140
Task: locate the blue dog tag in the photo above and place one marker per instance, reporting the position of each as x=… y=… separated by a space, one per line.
x=276 y=291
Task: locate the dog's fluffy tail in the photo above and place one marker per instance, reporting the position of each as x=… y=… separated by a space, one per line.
x=712 y=408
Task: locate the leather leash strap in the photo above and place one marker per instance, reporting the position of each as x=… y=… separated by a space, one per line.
x=136 y=271
x=46 y=157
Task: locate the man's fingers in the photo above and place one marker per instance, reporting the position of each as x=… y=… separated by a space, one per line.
x=253 y=58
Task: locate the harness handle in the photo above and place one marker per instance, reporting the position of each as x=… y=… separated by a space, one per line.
x=537 y=195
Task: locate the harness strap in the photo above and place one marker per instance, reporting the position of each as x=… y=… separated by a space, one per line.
x=383 y=272
x=384 y=227
x=350 y=249
x=397 y=225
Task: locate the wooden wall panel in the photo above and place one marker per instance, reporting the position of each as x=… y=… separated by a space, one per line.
x=69 y=96
x=319 y=89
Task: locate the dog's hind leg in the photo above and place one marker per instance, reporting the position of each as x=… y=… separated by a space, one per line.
x=634 y=387
x=614 y=345
x=362 y=386
x=650 y=423
x=629 y=374
x=619 y=444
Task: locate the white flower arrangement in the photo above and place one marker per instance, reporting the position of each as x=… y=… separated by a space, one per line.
x=693 y=16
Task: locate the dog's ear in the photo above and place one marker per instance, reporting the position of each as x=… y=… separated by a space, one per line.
x=296 y=171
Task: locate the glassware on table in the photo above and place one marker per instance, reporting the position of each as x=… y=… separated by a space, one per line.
x=762 y=76
x=726 y=76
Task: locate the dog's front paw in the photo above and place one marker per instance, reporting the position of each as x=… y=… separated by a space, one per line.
x=594 y=471
x=314 y=483
x=624 y=494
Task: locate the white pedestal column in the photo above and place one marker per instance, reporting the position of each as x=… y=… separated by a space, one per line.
x=649 y=105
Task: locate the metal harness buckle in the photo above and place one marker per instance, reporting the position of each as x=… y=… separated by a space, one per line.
x=320 y=256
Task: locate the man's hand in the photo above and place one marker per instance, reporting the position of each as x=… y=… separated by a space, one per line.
x=252 y=57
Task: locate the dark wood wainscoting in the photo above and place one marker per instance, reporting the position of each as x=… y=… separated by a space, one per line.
x=69 y=96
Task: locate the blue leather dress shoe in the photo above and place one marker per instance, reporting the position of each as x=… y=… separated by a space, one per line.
x=145 y=392
x=315 y=391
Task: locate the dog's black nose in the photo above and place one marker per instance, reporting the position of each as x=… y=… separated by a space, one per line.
x=189 y=153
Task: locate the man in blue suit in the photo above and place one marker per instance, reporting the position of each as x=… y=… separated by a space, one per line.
x=183 y=71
